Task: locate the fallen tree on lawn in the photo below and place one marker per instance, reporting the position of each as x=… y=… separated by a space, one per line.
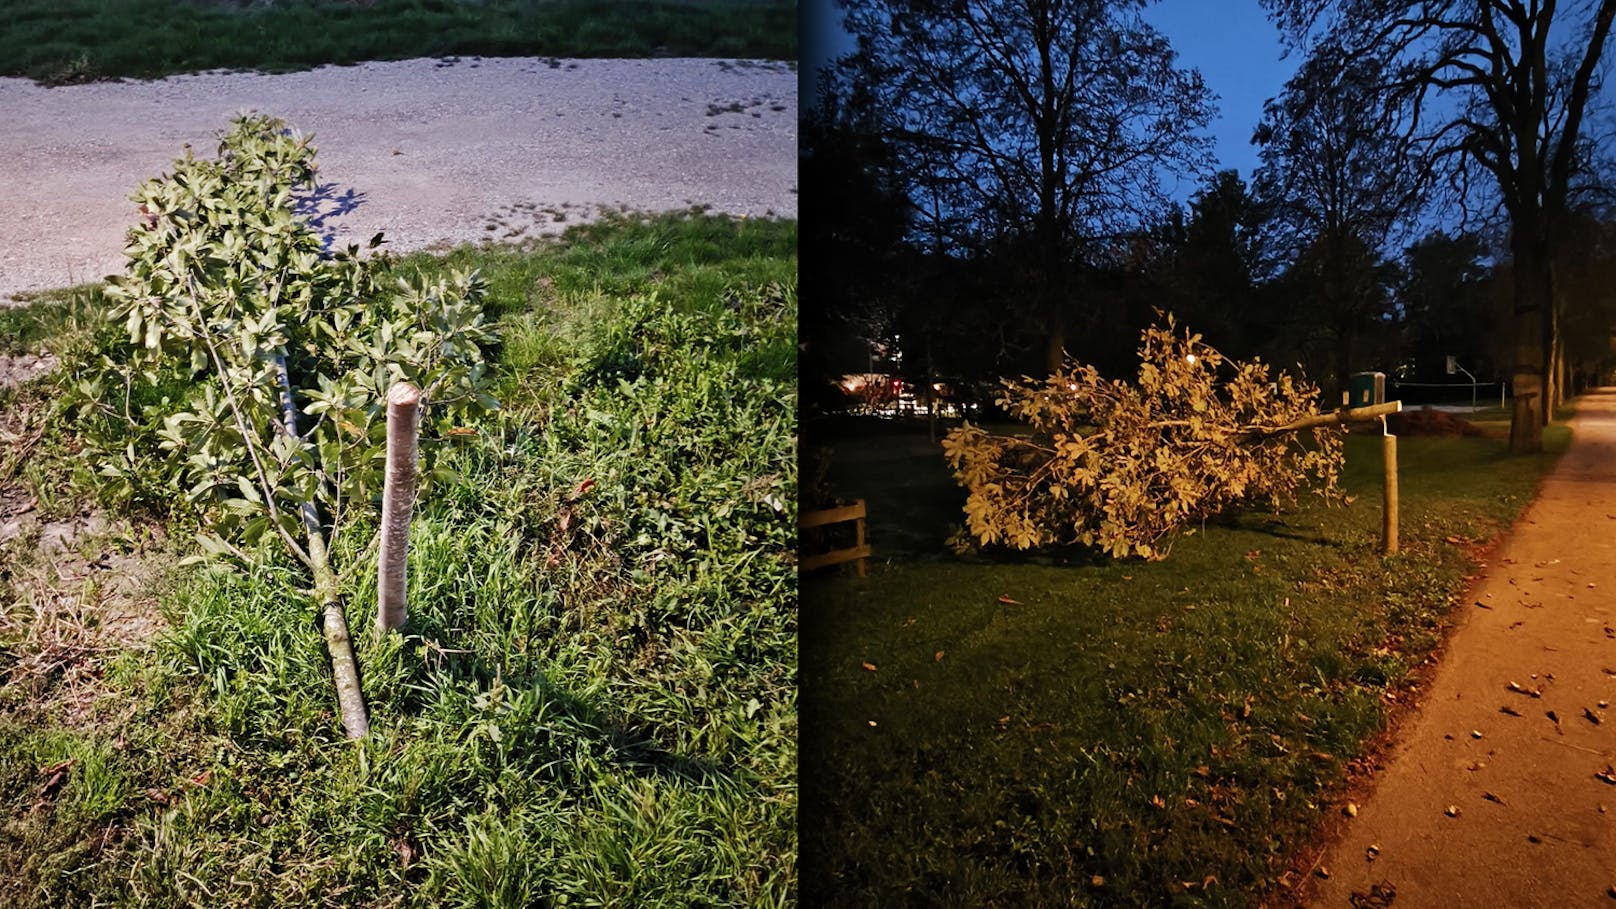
x=259 y=364
x=1120 y=466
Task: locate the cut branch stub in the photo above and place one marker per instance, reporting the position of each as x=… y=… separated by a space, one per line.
x=398 y=501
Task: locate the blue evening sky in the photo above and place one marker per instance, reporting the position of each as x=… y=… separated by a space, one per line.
x=1231 y=42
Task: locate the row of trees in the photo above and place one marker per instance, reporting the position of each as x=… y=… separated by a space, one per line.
x=986 y=176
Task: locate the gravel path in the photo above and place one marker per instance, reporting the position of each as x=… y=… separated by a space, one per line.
x=431 y=152
x=1501 y=791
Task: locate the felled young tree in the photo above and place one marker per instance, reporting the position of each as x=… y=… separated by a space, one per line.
x=283 y=435
x=1120 y=466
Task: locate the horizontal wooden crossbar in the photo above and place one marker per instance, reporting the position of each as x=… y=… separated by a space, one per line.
x=809 y=563
x=839 y=515
x=832 y=515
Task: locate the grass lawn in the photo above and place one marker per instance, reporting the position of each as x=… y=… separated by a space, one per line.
x=67 y=41
x=596 y=700
x=1124 y=733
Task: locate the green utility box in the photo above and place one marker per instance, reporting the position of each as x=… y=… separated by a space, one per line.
x=1366 y=388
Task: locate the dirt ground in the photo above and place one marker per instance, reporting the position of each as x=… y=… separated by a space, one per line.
x=1500 y=790
x=431 y=152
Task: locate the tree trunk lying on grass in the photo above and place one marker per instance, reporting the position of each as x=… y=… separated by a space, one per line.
x=344 y=668
x=1121 y=466
x=252 y=290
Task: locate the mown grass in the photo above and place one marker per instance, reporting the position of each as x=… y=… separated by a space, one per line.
x=66 y=41
x=1123 y=734
x=595 y=702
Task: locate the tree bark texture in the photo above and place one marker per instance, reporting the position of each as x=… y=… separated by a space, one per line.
x=1388 y=536
x=344 y=668
x=1532 y=297
x=398 y=502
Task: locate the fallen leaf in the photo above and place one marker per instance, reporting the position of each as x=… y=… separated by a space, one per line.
x=581 y=490
x=58 y=767
x=202 y=778
x=1097 y=881
x=1157 y=801
x=1005 y=599
x=869 y=666
x=937 y=657
x=57 y=776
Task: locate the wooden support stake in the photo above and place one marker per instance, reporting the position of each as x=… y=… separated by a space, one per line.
x=398 y=501
x=1389 y=457
x=858 y=542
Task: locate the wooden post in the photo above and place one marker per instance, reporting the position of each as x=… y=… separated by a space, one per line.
x=1389 y=457
x=858 y=542
x=398 y=501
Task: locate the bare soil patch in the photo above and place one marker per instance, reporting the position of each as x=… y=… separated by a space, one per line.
x=76 y=586
x=1428 y=421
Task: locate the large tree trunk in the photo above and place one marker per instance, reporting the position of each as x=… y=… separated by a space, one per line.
x=1532 y=299
x=1055 y=353
x=1343 y=359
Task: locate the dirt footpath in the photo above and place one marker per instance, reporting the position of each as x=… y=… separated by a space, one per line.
x=1501 y=791
x=429 y=151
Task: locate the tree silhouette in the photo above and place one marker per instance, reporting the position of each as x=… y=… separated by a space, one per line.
x=1034 y=125
x=1492 y=88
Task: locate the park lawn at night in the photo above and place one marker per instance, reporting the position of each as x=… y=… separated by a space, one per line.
x=69 y=41
x=595 y=700
x=1124 y=733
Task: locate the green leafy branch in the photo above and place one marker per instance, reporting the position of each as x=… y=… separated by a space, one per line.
x=287 y=353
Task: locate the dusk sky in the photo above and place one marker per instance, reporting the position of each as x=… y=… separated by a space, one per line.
x=1232 y=43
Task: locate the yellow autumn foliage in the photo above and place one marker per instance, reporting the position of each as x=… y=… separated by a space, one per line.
x=1120 y=467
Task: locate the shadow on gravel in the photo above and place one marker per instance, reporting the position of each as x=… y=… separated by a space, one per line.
x=324 y=203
